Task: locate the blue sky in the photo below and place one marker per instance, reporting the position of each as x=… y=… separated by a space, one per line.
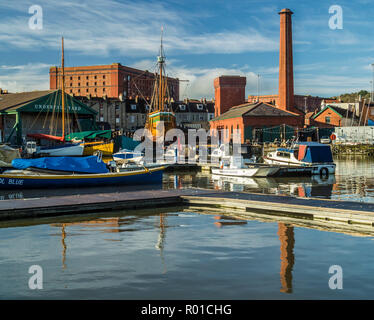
x=203 y=39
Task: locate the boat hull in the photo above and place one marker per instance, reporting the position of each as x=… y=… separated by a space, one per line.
x=247 y=172
x=20 y=181
x=70 y=151
x=302 y=167
x=106 y=148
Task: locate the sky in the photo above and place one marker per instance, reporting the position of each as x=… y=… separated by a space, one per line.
x=203 y=39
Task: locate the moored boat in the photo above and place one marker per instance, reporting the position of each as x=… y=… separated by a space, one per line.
x=236 y=167
x=19 y=179
x=128 y=155
x=310 y=157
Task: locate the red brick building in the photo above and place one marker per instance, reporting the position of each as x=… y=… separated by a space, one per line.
x=111 y=81
x=262 y=121
x=332 y=116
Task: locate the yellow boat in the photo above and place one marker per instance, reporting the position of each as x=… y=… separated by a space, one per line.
x=106 y=148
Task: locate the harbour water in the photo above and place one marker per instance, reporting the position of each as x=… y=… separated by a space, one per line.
x=183 y=254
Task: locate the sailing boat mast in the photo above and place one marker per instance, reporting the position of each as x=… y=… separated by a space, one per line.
x=63 y=89
x=161 y=61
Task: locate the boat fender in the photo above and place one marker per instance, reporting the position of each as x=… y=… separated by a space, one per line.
x=324 y=172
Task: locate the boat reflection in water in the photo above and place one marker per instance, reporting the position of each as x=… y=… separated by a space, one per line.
x=314 y=186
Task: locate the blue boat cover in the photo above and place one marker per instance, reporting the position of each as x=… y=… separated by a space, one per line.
x=89 y=164
x=317 y=152
x=370 y=122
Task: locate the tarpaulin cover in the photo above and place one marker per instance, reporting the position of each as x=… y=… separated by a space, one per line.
x=370 y=122
x=89 y=164
x=128 y=143
x=107 y=134
x=317 y=152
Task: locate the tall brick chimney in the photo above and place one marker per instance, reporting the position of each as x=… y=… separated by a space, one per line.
x=229 y=91
x=286 y=90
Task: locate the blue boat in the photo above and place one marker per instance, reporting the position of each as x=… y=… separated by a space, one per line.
x=23 y=179
x=56 y=172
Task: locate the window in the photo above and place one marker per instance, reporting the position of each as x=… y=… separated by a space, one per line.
x=87 y=77
x=71 y=78
x=182 y=107
x=95 y=90
x=200 y=107
x=79 y=84
x=71 y=84
x=133 y=107
x=104 y=76
x=132 y=119
x=327 y=119
x=71 y=91
x=79 y=90
x=79 y=78
x=87 y=84
x=95 y=83
x=86 y=90
x=103 y=83
x=95 y=77
x=103 y=89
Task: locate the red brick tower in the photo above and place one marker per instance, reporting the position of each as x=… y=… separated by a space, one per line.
x=229 y=91
x=286 y=90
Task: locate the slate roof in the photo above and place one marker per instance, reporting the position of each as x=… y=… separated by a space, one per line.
x=258 y=109
x=14 y=101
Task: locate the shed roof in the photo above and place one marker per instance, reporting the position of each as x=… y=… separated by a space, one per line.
x=258 y=109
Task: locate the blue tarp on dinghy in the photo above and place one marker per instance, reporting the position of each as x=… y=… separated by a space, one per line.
x=370 y=122
x=89 y=164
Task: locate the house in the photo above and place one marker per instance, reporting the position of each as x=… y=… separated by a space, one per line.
x=335 y=116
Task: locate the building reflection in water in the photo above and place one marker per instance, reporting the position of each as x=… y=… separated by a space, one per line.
x=287 y=243
x=63 y=236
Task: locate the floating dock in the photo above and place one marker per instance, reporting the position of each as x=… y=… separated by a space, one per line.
x=350 y=214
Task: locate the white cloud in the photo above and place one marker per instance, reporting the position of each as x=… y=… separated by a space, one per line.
x=29 y=77
x=133 y=28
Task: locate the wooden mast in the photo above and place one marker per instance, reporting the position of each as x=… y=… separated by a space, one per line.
x=161 y=61
x=63 y=89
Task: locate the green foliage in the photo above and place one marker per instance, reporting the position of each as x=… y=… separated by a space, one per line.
x=353 y=97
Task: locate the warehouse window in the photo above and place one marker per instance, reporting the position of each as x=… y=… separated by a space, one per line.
x=79 y=78
x=104 y=83
x=87 y=77
x=327 y=119
x=103 y=89
x=104 y=76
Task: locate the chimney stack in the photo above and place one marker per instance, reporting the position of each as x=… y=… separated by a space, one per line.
x=286 y=89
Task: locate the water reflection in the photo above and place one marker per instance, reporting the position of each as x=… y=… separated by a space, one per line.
x=111 y=225
x=287 y=243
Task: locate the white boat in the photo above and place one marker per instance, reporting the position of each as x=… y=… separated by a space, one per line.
x=70 y=150
x=311 y=157
x=128 y=155
x=235 y=167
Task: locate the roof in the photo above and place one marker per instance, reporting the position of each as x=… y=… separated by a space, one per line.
x=42 y=101
x=340 y=111
x=16 y=100
x=259 y=109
